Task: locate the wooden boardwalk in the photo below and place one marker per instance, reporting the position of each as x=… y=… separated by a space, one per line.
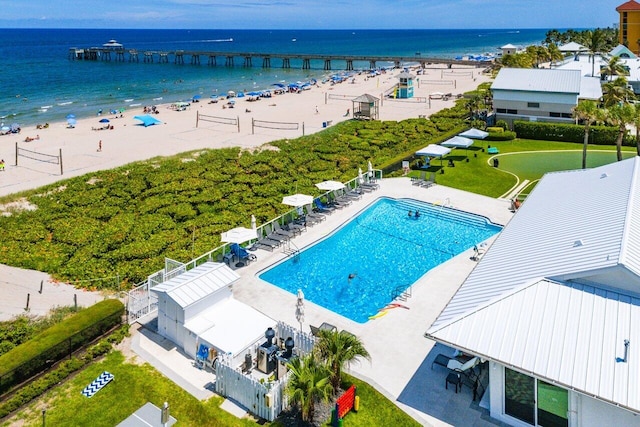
x=247 y=58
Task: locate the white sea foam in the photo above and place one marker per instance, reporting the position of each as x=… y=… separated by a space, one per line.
x=64 y=103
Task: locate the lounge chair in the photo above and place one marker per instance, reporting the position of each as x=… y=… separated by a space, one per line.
x=267 y=243
x=241 y=253
x=313 y=216
x=340 y=203
x=274 y=235
x=279 y=230
x=370 y=184
x=322 y=208
x=429 y=182
x=420 y=180
x=315 y=331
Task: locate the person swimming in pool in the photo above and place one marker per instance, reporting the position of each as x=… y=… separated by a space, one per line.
x=410 y=213
x=417 y=214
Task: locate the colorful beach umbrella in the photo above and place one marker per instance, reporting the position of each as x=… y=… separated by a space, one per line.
x=104 y=120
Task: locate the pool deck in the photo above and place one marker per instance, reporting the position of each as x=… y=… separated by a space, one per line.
x=401 y=357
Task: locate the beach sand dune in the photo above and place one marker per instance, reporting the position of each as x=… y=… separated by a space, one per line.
x=85 y=150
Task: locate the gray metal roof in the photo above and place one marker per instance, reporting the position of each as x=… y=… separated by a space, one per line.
x=537 y=80
x=581 y=225
x=572 y=47
x=195 y=284
x=566 y=333
x=366 y=98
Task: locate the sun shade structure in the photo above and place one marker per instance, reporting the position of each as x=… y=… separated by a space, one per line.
x=458 y=142
x=147 y=120
x=330 y=185
x=474 y=133
x=297 y=200
x=433 y=150
x=239 y=235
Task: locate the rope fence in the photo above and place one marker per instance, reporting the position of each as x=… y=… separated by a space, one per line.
x=40 y=157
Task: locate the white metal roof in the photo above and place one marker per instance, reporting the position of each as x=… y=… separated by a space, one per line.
x=433 y=150
x=230 y=325
x=576 y=225
x=195 y=284
x=566 y=333
x=572 y=47
x=537 y=80
x=590 y=88
x=508 y=46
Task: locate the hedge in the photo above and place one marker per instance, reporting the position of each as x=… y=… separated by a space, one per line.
x=506 y=135
x=58 y=342
x=564 y=132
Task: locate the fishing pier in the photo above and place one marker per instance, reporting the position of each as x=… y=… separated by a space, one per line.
x=247 y=58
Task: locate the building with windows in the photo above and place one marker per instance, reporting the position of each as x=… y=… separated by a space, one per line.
x=630 y=25
x=541 y=94
x=553 y=306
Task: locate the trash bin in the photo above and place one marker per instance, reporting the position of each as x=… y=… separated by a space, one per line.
x=324 y=124
x=496 y=162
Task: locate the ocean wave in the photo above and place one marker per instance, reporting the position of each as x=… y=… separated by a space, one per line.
x=64 y=103
x=214 y=40
x=134 y=105
x=128 y=100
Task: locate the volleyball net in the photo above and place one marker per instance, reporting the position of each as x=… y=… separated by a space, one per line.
x=292 y=126
x=39 y=157
x=215 y=119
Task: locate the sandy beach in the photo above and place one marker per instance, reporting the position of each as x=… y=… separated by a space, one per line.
x=85 y=150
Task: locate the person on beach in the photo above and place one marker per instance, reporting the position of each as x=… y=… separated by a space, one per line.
x=347 y=113
x=2 y=165
x=317 y=112
x=99 y=145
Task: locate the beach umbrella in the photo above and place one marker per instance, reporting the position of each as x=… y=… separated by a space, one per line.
x=104 y=120
x=197 y=96
x=71 y=122
x=330 y=185
x=239 y=235
x=14 y=127
x=297 y=200
x=71 y=116
x=300 y=308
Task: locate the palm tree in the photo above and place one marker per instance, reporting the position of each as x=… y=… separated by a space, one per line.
x=554 y=53
x=620 y=115
x=337 y=349
x=308 y=384
x=614 y=68
x=474 y=104
x=587 y=112
x=594 y=41
x=617 y=92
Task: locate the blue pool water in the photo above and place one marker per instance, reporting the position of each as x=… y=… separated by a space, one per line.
x=385 y=249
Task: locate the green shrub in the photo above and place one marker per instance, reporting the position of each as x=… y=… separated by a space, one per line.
x=501 y=136
x=565 y=132
x=58 y=341
x=495 y=129
x=502 y=124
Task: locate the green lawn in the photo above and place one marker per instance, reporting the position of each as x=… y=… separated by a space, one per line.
x=132 y=387
x=477 y=175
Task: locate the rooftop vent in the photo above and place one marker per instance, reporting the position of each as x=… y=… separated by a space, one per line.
x=604 y=175
x=578 y=243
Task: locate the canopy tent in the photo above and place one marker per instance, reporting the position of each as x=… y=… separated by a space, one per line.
x=147 y=120
x=458 y=142
x=433 y=150
x=474 y=133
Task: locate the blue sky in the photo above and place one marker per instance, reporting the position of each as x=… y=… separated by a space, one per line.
x=308 y=14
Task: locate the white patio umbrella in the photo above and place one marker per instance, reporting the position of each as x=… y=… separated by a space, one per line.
x=239 y=235
x=297 y=200
x=300 y=308
x=370 y=169
x=330 y=185
x=253 y=222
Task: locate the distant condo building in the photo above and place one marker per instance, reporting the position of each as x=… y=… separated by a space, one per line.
x=630 y=25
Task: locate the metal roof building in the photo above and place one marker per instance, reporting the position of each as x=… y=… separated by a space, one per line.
x=557 y=296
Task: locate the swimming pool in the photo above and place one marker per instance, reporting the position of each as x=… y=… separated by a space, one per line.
x=381 y=249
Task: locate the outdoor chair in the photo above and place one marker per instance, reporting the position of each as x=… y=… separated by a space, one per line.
x=241 y=253
x=420 y=180
x=429 y=182
x=274 y=235
x=322 y=208
x=279 y=230
x=313 y=216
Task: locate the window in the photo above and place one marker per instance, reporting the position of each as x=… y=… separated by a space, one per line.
x=533 y=104
x=552 y=114
x=501 y=110
x=512 y=111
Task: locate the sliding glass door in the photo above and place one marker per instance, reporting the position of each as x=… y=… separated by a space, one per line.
x=534 y=401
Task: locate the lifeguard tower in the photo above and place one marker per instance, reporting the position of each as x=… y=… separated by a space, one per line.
x=404 y=89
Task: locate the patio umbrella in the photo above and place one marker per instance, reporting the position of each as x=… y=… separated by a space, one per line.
x=238 y=235
x=197 y=96
x=330 y=185
x=104 y=121
x=253 y=222
x=370 y=169
x=360 y=179
x=297 y=200
x=300 y=308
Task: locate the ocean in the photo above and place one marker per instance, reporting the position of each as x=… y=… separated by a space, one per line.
x=40 y=84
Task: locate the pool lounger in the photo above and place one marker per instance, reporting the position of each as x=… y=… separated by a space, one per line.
x=281 y=231
x=267 y=244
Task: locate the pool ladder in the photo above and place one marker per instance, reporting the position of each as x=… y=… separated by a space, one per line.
x=447 y=202
x=401 y=293
x=294 y=252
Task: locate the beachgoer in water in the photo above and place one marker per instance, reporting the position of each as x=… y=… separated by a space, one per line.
x=417 y=214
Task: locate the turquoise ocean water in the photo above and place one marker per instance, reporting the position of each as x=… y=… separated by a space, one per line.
x=40 y=84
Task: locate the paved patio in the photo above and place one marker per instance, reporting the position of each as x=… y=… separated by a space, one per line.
x=401 y=357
